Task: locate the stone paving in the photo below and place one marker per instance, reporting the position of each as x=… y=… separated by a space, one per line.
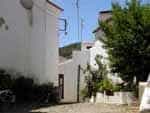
x=87 y=108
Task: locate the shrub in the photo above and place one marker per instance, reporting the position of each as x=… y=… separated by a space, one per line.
x=85 y=93
x=94 y=76
x=23 y=89
x=26 y=90
x=5 y=80
x=46 y=93
x=109 y=87
x=117 y=88
x=105 y=85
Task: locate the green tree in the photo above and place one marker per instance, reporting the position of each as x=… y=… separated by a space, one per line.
x=94 y=77
x=127 y=40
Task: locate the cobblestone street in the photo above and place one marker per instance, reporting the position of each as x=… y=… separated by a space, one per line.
x=87 y=108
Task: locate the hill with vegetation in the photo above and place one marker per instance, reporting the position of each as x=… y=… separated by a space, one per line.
x=66 y=51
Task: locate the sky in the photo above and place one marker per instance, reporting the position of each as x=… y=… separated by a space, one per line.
x=89 y=10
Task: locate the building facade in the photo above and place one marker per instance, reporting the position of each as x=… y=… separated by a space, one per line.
x=30 y=42
x=72 y=70
x=98 y=32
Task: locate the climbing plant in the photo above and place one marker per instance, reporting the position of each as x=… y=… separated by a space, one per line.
x=94 y=77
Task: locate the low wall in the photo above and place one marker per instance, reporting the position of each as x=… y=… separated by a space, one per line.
x=144 y=93
x=118 y=98
x=142 y=86
x=145 y=102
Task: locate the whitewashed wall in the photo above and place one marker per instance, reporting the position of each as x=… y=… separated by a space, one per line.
x=142 y=86
x=118 y=98
x=44 y=42
x=67 y=69
x=144 y=91
x=30 y=49
x=97 y=49
x=70 y=71
x=81 y=58
x=86 y=45
x=70 y=68
x=52 y=43
x=13 y=41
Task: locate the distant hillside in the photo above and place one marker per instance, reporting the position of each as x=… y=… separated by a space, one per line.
x=67 y=50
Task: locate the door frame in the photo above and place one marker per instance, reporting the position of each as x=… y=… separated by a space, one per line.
x=78 y=83
x=61 y=90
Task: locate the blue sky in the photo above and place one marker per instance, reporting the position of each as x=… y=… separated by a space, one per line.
x=89 y=10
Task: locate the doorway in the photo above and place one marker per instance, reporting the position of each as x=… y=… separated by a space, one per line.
x=61 y=85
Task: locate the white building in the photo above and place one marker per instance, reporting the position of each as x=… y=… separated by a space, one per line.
x=73 y=76
x=69 y=69
x=30 y=42
x=103 y=15
x=98 y=32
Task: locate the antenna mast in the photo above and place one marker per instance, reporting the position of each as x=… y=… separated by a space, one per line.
x=78 y=18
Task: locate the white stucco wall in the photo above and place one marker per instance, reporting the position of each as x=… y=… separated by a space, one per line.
x=45 y=49
x=30 y=49
x=67 y=69
x=142 y=86
x=86 y=45
x=97 y=49
x=81 y=58
x=144 y=92
x=12 y=41
x=70 y=70
x=99 y=34
x=118 y=98
x=52 y=43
